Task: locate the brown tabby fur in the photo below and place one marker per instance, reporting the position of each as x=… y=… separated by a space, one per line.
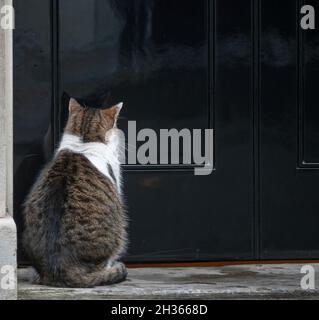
x=74 y=217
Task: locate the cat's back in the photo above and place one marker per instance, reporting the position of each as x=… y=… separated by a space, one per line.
x=85 y=189
x=76 y=206
x=76 y=189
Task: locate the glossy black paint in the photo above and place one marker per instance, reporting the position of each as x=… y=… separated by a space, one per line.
x=308 y=111
x=288 y=102
x=230 y=65
x=32 y=99
x=126 y=53
x=159 y=60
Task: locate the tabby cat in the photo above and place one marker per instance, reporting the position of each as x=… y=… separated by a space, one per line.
x=75 y=225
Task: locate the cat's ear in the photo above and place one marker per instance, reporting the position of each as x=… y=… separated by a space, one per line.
x=113 y=112
x=74 y=105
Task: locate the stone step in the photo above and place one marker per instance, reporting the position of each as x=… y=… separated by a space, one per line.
x=281 y=281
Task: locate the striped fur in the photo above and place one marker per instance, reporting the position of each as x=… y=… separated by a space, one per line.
x=75 y=225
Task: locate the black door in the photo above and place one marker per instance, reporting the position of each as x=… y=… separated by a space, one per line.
x=226 y=64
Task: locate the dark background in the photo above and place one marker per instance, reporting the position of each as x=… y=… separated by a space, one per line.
x=241 y=67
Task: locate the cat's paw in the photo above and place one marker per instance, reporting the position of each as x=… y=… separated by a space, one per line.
x=121 y=270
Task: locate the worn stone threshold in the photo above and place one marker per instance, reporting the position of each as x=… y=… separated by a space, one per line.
x=228 y=282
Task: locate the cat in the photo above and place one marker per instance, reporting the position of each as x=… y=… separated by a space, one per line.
x=75 y=222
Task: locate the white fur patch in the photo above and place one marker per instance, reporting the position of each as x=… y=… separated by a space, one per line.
x=99 y=154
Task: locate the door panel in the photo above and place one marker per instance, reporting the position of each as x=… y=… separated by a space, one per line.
x=289 y=202
x=159 y=70
x=308 y=106
x=164 y=59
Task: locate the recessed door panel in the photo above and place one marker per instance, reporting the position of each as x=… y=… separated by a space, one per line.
x=289 y=201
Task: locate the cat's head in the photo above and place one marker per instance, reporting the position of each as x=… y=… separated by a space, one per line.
x=92 y=124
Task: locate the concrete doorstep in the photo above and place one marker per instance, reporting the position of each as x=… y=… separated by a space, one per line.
x=228 y=282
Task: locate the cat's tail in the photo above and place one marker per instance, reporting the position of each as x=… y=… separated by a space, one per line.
x=77 y=277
